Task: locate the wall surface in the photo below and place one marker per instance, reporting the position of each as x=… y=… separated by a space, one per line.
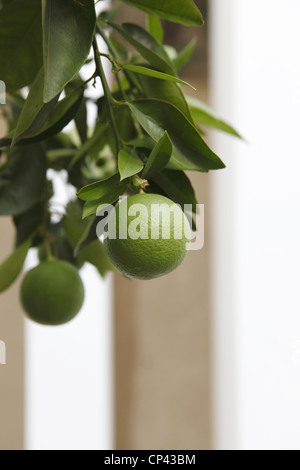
x=11 y=374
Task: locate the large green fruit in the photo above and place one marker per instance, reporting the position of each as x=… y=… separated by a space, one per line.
x=147 y=257
x=52 y=293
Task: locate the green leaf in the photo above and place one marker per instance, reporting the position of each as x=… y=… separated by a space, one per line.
x=23 y=180
x=63 y=112
x=20 y=43
x=125 y=125
x=154 y=27
x=154 y=74
x=118 y=49
x=190 y=152
x=103 y=134
x=149 y=48
x=3 y=3
x=205 y=116
x=63 y=250
x=28 y=222
x=35 y=111
x=159 y=157
x=81 y=121
x=91 y=207
x=12 y=266
x=102 y=189
x=165 y=91
x=103 y=192
x=180 y=11
x=145 y=142
x=68 y=28
x=89 y=235
x=185 y=54
x=177 y=187
x=74 y=226
x=90 y=144
x=129 y=163
x=95 y=254
x=7 y=140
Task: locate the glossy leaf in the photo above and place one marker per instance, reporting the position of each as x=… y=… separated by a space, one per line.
x=129 y=163
x=22 y=180
x=154 y=27
x=205 y=116
x=68 y=28
x=185 y=54
x=60 y=116
x=73 y=225
x=177 y=186
x=149 y=48
x=180 y=11
x=35 y=111
x=165 y=91
x=190 y=152
x=95 y=254
x=20 y=43
x=145 y=142
x=154 y=74
x=91 y=207
x=12 y=266
x=100 y=189
x=159 y=157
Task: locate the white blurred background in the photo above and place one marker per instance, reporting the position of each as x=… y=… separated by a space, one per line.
x=255 y=83
x=208 y=357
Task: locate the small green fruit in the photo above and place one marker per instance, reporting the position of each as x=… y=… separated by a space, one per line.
x=148 y=257
x=52 y=293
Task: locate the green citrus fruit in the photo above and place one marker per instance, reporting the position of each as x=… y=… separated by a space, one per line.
x=156 y=241
x=52 y=293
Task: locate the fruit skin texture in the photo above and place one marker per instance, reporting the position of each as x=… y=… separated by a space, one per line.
x=147 y=258
x=52 y=293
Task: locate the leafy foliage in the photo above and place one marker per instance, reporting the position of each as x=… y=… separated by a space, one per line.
x=147 y=132
x=20 y=43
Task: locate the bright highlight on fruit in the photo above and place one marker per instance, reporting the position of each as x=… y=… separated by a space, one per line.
x=52 y=293
x=148 y=242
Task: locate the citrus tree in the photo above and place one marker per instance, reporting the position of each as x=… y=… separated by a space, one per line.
x=146 y=135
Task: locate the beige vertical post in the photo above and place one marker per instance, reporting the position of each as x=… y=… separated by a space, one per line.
x=162 y=356
x=11 y=374
x=11 y=336
x=162 y=337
